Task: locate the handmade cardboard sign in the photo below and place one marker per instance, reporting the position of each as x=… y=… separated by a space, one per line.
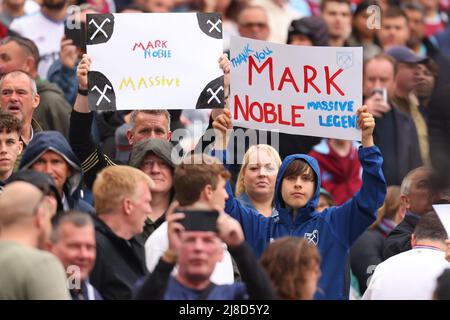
x=155 y=61
x=313 y=91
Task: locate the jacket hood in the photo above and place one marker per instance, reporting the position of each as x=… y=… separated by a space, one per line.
x=53 y=141
x=162 y=149
x=312 y=203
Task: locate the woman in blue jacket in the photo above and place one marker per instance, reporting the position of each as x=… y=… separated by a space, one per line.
x=297 y=192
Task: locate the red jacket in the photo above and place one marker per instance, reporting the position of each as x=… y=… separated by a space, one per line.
x=341 y=176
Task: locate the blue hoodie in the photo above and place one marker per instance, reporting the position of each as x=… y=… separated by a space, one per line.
x=333 y=231
x=55 y=141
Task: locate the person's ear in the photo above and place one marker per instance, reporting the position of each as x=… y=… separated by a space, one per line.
x=29 y=65
x=130 y=137
x=127 y=206
x=207 y=192
x=36 y=101
x=220 y=252
x=20 y=147
x=405 y=202
x=169 y=135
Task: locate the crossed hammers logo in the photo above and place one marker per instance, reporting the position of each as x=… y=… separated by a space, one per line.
x=99 y=28
x=102 y=94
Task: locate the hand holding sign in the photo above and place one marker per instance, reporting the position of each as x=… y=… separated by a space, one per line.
x=367 y=123
x=82 y=71
x=222 y=127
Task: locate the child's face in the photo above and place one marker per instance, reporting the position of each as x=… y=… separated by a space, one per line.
x=296 y=191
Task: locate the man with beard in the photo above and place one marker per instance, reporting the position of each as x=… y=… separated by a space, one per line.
x=27 y=272
x=45 y=28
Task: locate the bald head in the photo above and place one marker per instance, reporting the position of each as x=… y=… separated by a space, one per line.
x=18 y=201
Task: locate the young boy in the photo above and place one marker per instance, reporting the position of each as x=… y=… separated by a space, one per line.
x=297 y=192
x=10 y=144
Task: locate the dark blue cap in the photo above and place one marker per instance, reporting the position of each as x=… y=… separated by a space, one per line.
x=405 y=55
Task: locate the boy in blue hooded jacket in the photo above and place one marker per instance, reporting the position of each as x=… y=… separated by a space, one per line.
x=297 y=191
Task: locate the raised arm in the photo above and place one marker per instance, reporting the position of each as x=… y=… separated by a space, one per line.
x=91 y=156
x=352 y=218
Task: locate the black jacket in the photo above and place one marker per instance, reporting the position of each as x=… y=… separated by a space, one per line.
x=399 y=240
x=402 y=149
x=119 y=264
x=365 y=254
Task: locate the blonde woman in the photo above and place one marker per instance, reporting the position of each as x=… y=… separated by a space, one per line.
x=255 y=184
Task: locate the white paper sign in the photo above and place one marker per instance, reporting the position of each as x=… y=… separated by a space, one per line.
x=443 y=212
x=312 y=91
x=155 y=61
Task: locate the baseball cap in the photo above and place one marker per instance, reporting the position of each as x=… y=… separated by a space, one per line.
x=405 y=55
x=41 y=180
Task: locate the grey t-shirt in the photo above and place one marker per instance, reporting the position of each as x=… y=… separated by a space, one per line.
x=30 y=274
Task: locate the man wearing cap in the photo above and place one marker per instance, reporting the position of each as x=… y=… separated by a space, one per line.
x=395 y=133
x=153 y=157
x=308 y=31
x=49 y=152
x=404 y=97
x=42 y=181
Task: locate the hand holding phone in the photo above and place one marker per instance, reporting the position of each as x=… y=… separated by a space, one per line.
x=199 y=220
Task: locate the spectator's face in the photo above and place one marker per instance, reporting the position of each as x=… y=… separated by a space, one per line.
x=420 y=198
x=360 y=24
x=338 y=19
x=406 y=76
x=301 y=40
x=12 y=58
x=17 y=97
x=424 y=83
x=55 y=166
x=149 y=126
x=260 y=175
x=160 y=172
x=198 y=255
x=416 y=24
x=378 y=73
x=76 y=247
x=10 y=148
x=394 y=32
x=253 y=24
x=219 y=195
x=159 y=6
x=140 y=208
x=296 y=191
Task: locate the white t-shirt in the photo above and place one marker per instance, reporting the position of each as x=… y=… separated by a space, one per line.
x=409 y=275
x=45 y=33
x=157 y=244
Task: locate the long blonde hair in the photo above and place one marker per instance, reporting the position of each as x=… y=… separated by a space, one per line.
x=240 y=187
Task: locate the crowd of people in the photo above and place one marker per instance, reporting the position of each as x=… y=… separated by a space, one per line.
x=102 y=205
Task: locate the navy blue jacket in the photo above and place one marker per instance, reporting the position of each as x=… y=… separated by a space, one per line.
x=333 y=231
x=55 y=141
